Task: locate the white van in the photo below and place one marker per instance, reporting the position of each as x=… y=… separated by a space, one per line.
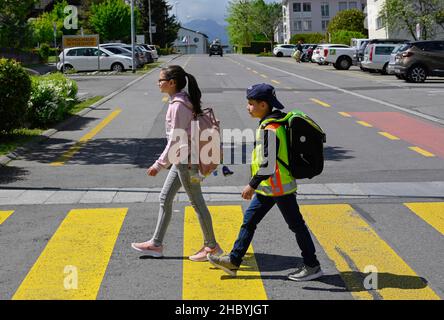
x=87 y=59
x=377 y=57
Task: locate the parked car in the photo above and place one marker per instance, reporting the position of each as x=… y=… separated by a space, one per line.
x=125 y=52
x=377 y=57
x=322 y=51
x=307 y=55
x=341 y=58
x=357 y=44
x=87 y=59
x=420 y=60
x=152 y=49
x=361 y=51
x=216 y=49
x=143 y=55
x=392 y=62
x=284 y=50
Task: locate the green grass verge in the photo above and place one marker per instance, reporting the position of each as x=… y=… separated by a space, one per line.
x=18 y=137
x=148 y=67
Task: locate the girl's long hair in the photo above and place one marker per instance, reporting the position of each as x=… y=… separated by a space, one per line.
x=178 y=73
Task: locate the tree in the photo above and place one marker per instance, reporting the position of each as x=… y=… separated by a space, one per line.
x=407 y=14
x=349 y=20
x=14 y=29
x=266 y=19
x=166 y=26
x=111 y=19
x=240 y=22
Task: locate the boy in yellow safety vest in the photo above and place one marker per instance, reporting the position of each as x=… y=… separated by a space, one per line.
x=271 y=184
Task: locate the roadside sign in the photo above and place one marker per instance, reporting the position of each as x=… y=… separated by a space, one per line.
x=80 y=41
x=140 y=39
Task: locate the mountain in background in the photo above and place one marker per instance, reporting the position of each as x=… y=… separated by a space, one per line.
x=210 y=27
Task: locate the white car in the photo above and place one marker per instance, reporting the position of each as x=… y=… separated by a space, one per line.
x=87 y=59
x=152 y=49
x=284 y=50
x=322 y=51
x=377 y=57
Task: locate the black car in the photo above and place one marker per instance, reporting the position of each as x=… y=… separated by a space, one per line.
x=216 y=49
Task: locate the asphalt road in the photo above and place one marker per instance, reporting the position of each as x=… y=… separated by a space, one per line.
x=379 y=202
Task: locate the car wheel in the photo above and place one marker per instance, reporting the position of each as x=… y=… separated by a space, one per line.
x=67 y=67
x=343 y=64
x=417 y=74
x=279 y=54
x=117 y=67
x=384 y=69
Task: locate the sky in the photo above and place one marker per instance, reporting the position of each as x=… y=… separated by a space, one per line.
x=188 y=10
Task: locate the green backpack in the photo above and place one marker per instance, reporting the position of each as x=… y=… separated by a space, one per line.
x=305 y=140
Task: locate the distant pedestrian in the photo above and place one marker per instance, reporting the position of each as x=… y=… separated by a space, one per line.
x=181 y=110
x=298 y=53
x=279 y=188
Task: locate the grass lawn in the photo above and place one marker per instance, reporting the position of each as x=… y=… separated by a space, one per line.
x=9 y=142
x=148 y=67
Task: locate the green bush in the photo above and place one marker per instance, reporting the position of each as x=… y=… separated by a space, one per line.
x=51 y=98
x=308 y=38
x=257 y=47
x=15 y=89
x=44 y=52
x=344 y=36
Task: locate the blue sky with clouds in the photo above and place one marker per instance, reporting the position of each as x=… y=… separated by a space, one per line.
x=188 y=10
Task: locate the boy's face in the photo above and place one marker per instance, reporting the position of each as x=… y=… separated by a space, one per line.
x=257 y=109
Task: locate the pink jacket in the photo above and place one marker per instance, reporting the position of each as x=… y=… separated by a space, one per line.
x=178 y=116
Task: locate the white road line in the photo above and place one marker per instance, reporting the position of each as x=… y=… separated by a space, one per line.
x=391 y=105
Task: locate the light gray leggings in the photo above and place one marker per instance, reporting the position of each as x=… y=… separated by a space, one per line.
x=181 y=175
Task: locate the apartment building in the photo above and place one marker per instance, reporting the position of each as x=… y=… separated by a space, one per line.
x=304 y=16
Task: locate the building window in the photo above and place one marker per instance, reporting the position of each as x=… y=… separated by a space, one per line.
x=353 y=5
x=307 y=25
x=297 y=7
x=298 y=25
x=325 y=24
x=379 y=23
x=325 y=10
x=342 y=6
x=307 y=7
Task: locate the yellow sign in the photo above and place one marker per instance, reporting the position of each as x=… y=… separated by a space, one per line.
x=80 y=41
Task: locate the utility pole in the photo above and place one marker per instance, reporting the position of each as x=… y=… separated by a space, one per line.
x=133 y=47
x=149 y=12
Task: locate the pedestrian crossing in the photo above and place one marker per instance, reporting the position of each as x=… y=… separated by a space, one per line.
x=76 y=257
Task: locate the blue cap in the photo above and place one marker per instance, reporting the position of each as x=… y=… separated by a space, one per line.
x=264 y=92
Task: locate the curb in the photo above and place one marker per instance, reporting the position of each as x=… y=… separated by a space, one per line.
x=13 y=155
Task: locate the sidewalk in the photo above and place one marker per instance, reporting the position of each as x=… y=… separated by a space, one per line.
x=329 y=191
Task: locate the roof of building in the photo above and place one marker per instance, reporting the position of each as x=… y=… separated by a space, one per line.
x=195 y=31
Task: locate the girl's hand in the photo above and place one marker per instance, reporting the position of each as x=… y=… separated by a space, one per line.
x=152 y=172
x=248 y=193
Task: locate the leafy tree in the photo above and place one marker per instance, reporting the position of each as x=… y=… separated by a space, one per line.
x=14 y=29
x=350 y=20
x=406 y=14
x=266 y=19
x=166 y=26
x=240 y=22
x=344 y=36
x=308 y=38
x=111 y=19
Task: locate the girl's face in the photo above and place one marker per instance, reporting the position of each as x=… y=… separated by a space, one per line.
x=257 y=109
x=167 y=85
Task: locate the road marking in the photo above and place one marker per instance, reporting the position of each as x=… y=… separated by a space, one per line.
x=255 y=72
x=201 y=281
x=248 y=68
x=264 y=76
x=345 y=114
x=391 y=105
x=5 y=215
x=365 y=124
x=85 y=139
x=275 y=81
x=82 y=247
x=186 y=63
x=423 y=152
x=353 y=245
x=165 y=99
x=430 y=212
x=388 y=135
x=322 y=103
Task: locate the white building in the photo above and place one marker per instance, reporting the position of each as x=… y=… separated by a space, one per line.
x=191 y=42
x=305 y=16
x=377 y=29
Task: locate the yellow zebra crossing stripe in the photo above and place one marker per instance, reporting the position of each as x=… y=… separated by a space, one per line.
x=4 y=215
x=430 y=212
x=203 y=282
x=356 y=248
x=74 y=261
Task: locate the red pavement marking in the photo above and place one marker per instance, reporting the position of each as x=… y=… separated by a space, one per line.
x=419 y=133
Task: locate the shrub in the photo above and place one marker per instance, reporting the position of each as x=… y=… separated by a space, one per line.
x=15 y=89
x=44 y=52
x=344 y=36
x=257 y=47
x=308 y=38
x=51 y=98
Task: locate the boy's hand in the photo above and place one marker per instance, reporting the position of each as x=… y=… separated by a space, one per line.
x=248 y=193
x=152 y=172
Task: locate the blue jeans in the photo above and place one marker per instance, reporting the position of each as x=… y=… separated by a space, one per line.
x=259 y=207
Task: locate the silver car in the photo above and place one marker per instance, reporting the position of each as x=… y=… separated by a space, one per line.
x=377 y=57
